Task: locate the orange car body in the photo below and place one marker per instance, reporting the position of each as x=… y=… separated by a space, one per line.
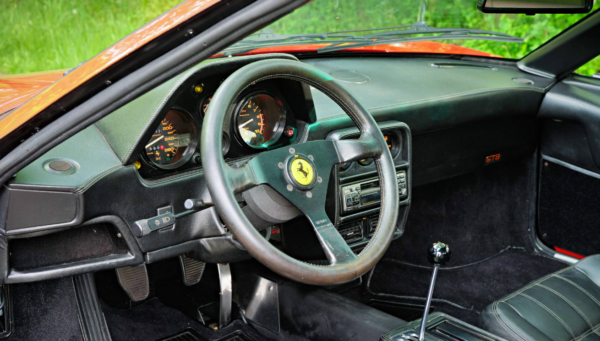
x=19 y=103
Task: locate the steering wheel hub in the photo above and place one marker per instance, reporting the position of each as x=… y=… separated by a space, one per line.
x=301 y=171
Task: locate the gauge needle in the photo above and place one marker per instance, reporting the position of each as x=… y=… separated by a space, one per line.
x=153 y=142
x=243 y=125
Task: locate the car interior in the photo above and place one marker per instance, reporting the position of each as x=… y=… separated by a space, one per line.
x=306 y=196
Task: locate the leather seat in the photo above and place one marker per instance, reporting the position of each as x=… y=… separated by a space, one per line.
x=564 y=305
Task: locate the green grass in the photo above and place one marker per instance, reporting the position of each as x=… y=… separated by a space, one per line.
x=39 y=35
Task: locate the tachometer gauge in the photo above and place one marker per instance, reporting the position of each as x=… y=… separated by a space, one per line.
x=173 y=142
x=260 y=120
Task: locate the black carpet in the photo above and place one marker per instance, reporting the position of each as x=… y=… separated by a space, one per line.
x=153 y=320
x=45 y=311
x=569 y=211
x=479 y=215
x=471 y=287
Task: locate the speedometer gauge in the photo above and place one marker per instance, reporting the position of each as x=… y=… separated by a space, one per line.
x=173 y=142
x=260 y=120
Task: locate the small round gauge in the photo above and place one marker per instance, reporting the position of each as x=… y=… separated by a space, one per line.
x=173 y=143
x=204 y=104
x=260 y=120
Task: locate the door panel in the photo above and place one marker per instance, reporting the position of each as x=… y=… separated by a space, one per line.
x=569 y=187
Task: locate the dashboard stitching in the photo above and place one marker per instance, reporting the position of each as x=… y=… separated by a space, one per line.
x=104 y=138
x=189 y=174
x=86 y=185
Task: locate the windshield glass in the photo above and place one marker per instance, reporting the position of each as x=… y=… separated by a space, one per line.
x=506 y=35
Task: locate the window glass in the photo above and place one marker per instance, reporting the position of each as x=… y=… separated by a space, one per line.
x=591 y=68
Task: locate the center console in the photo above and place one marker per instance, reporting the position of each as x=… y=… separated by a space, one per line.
x=440 y=327
x=358 y=189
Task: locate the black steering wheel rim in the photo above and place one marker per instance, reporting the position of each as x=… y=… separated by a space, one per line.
x=224 y=181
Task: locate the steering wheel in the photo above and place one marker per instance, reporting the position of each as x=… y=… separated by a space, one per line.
x=300 y=173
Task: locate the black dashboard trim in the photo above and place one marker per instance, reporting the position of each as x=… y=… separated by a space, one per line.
x=66 y=211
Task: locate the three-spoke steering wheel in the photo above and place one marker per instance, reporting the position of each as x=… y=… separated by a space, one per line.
x=300 y=173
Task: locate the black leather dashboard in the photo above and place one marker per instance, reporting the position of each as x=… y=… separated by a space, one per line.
x=459 y=112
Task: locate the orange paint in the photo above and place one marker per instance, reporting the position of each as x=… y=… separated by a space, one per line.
x=102 y=61
x=16 y=90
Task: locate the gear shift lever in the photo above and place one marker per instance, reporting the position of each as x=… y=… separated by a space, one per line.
x=438 y=255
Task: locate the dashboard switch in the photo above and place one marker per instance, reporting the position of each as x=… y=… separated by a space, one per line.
x=143 y=227
x=196 y=204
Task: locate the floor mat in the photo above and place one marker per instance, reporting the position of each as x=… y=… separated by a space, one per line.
x=153 y=320
x=464 y=291
x=45 y=310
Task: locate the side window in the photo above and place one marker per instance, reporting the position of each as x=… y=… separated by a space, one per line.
x=591 y=68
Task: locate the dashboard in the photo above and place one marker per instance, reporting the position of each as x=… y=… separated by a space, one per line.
x=143 y=160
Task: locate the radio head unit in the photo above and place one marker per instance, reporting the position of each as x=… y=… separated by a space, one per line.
x=367 y=193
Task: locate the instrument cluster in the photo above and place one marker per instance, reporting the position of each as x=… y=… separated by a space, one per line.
x=260 y=119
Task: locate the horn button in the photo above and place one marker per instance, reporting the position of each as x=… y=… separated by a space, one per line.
x=301 y=172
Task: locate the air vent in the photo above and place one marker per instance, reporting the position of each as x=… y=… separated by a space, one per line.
x=373 y=224
x=462 y=66
x=351 y=233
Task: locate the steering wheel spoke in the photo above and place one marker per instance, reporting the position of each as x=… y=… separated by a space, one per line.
x=356 y=149
x=242 y=178
x=335 y=247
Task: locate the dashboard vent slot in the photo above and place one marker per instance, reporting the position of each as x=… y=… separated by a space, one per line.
x=373 y=224
x=351 y=232
x=462 y=66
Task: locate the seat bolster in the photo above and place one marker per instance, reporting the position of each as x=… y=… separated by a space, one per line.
x=501 y=319
x=590 y=266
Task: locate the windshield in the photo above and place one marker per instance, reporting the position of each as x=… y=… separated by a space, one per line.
x=495 y=35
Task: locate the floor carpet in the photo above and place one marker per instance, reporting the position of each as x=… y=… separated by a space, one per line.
x=485 y=218
x=153 y=320
x=466 y=290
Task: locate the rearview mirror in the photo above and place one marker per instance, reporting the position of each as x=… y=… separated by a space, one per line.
x=531 y=7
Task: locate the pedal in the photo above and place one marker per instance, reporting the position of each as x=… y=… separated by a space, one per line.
x=225 y=301
x=192 y=270
x=134 y=280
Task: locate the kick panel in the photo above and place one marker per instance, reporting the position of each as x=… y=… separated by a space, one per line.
x=568 y=212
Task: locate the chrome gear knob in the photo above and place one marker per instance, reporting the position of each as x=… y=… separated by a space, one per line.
x=439 y=254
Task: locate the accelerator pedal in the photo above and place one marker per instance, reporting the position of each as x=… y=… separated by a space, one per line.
x=192 y=270
x=134 y=280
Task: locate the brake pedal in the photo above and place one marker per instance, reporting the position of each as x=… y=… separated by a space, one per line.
x=192 y=270
x=134 y=280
